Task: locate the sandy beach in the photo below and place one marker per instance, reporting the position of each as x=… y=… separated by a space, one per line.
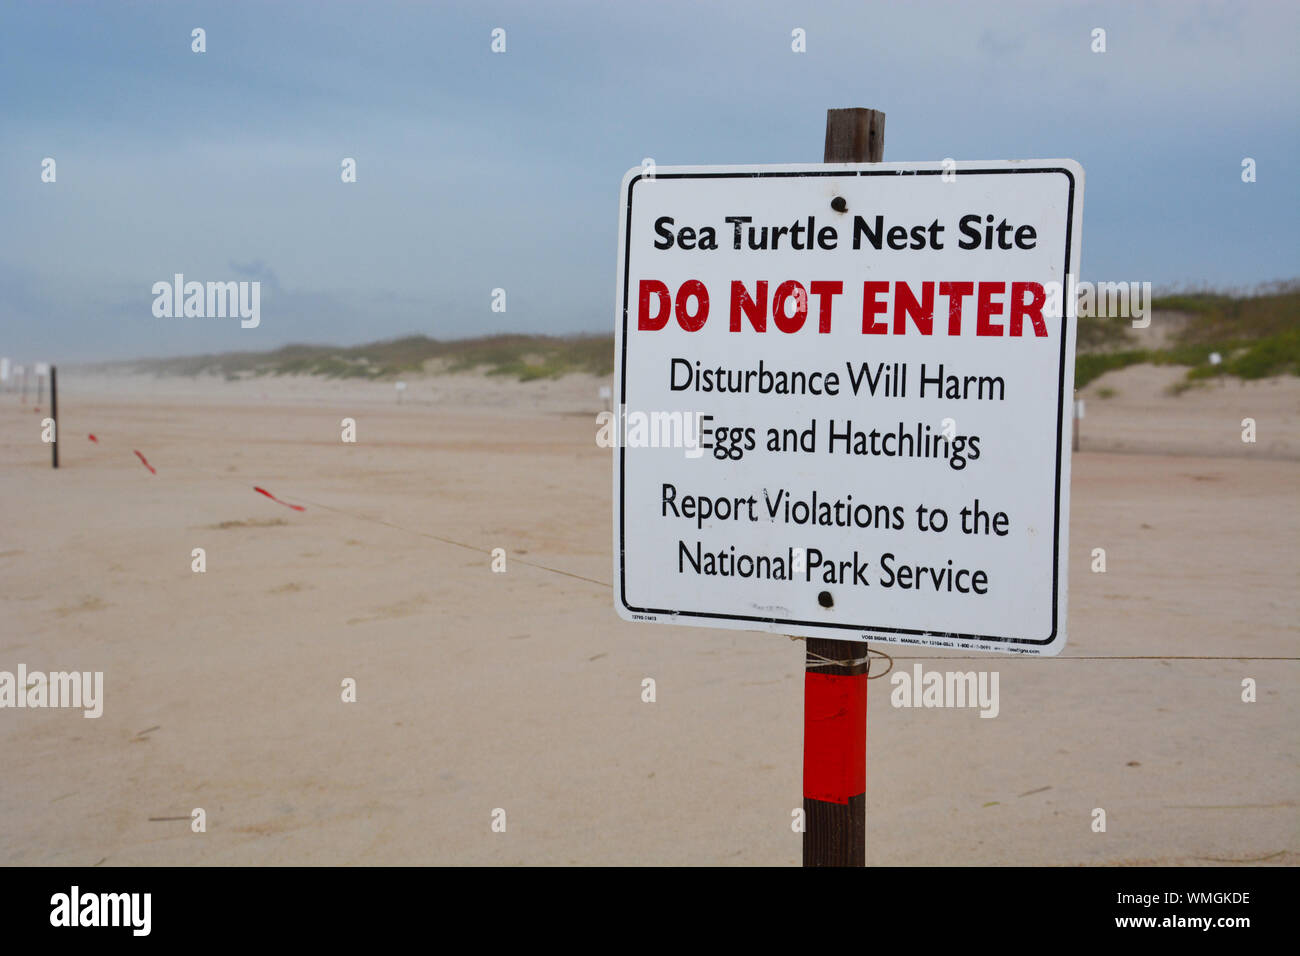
x=522 y=690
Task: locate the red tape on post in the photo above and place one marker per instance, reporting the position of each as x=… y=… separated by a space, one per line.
x=834 y=736
x=277 y=500
x=145 y=461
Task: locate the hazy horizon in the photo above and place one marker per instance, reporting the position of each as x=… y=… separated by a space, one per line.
x=478 y=170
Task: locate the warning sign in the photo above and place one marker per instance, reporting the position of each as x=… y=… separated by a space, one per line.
x=843 y=400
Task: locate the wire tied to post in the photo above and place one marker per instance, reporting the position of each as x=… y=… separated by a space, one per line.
x=816 y=660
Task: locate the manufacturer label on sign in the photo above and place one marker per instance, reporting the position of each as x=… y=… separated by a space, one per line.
x=843 y=400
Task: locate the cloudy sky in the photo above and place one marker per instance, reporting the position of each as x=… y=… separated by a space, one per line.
x=479 y=170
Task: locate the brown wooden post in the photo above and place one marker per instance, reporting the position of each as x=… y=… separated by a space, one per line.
x=854 y=136
x=835 y=695
x=54 y=412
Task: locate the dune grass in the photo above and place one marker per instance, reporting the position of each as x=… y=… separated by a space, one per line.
x=1256 y=336
x=525 y=357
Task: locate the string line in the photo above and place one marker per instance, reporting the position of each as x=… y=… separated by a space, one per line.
x=815 y=660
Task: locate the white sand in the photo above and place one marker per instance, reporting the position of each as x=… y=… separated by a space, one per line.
x=522 y=690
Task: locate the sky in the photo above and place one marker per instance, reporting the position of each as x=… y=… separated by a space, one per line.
x=479 y=170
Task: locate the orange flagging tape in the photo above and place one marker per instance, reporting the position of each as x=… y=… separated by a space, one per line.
x=277 y=500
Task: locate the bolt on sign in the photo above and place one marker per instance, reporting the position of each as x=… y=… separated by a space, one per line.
x=844 y=396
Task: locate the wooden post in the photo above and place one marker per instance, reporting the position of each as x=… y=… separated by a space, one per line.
x=835 y=754
x=854 y=136
x=54 y=412
x=835 y=695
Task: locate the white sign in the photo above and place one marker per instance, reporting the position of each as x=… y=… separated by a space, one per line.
x=843 y=400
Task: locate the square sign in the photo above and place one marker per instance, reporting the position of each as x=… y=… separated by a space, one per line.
x=844 y=396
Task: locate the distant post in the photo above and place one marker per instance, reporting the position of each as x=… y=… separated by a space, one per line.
x=835 y=694
x=54 y=412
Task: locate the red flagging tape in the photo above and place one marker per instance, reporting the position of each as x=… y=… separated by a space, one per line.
x=834 y=736
x=93 y=438
x=145 y=460
x=277 y=500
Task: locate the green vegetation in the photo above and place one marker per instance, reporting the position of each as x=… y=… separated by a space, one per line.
x=1098 y=335
x=525 y=357
x=529 y=357
x=1255 y=336
x=1090 y=366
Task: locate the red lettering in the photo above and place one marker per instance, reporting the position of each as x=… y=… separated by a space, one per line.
x=645 y=321
x=905 y=305
x=692 y=289
x=784 y=292
x=756 y=312
x=1033 y=310
x=956 y=293
x=871 y=308
x=824 y=292
x=987 y=307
